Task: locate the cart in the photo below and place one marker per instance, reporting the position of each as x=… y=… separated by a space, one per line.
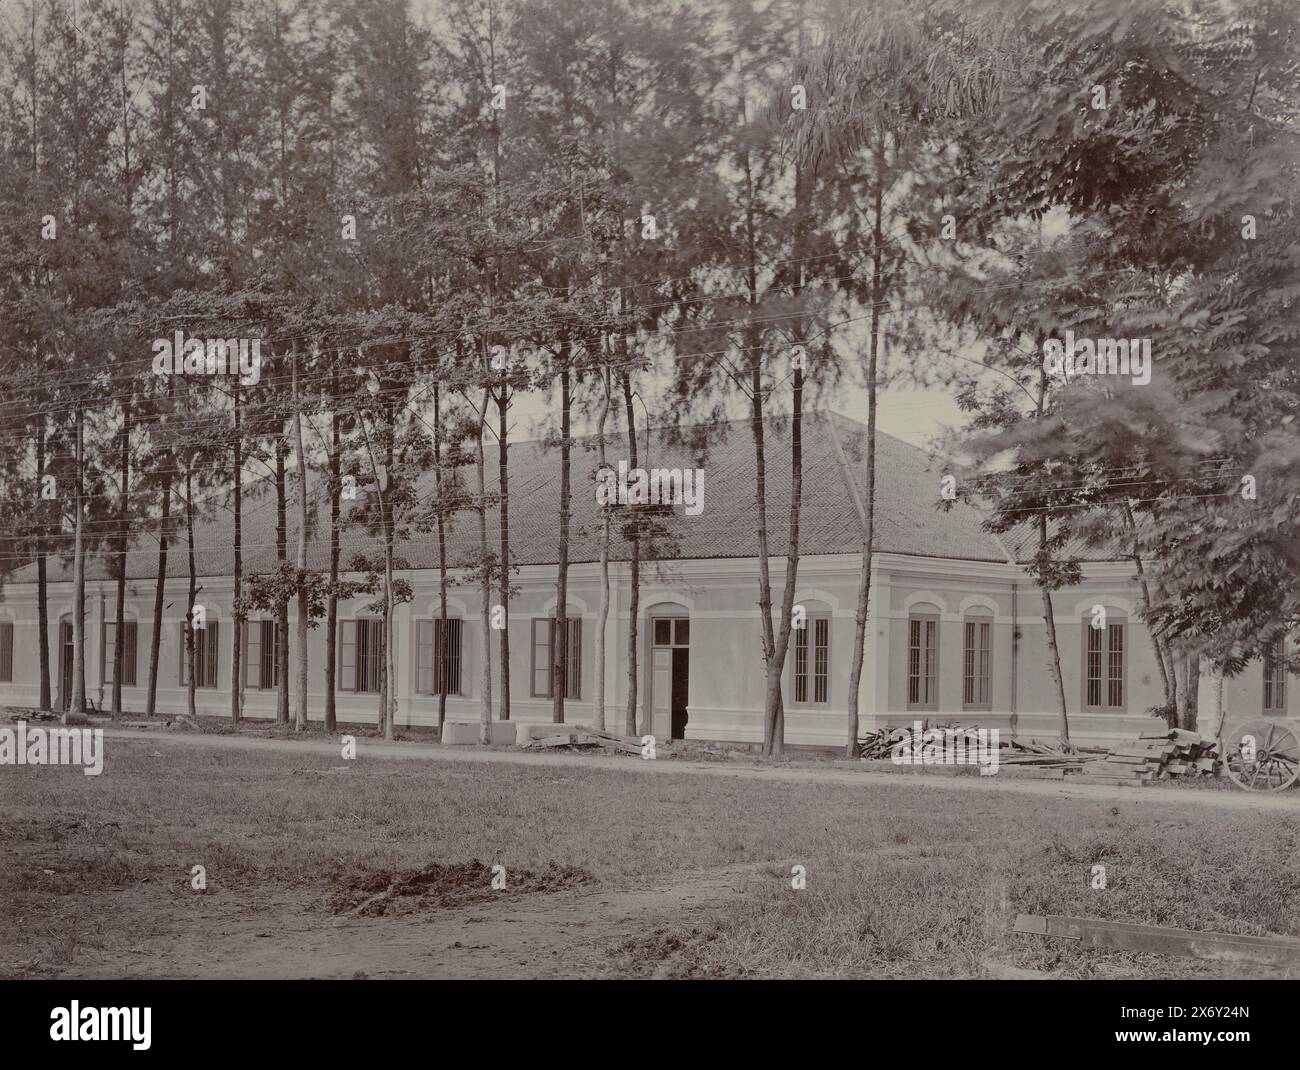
x=1260 y=755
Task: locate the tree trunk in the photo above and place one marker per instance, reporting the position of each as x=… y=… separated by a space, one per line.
x=160 y=590
x=1053 y=651
x=42 y=581
x=193 y=590
x=485 y=675
x=440 y=643
x=602 y=617
x=332 y=601
x=390 y=669
x=869 y=504
x=1180 y=672
x=758 y=431
x=387 y=702
x=503 y=577
x=78 y=705
x=1188 y=669
x=635 y=596
x=119 y=619
x=237 y=638
x=774 y=707
x=300 y=562
x=382 y=715
x=282 y=603
x=1049 y=618
x=560 y=651
x=1130 y=526
x=390 y=598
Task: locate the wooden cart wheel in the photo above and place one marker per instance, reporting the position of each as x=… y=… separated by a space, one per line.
x=1262 y=756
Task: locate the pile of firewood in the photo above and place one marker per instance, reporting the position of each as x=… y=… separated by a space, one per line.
x=1156 y=756
x=877 y=744
x=880 y=743
x=582 y=738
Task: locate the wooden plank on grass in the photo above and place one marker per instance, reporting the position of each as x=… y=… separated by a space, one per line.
x=1129 y=936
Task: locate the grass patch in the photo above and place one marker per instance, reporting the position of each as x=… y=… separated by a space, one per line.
x=902 y=880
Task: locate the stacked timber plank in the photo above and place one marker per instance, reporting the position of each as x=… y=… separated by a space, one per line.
x=1156 y=756
x=1036 y=755
x=583 y=738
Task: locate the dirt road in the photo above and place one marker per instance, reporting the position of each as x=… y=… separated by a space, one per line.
x=808 y=772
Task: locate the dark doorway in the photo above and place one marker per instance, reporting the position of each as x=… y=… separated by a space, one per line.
x=681 y=690
x=65 y=666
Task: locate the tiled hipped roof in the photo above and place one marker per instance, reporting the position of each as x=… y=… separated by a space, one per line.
x=907 y=519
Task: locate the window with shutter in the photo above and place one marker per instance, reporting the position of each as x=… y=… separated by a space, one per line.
x=209 y=649
x=130 y=661
x=348 y=655
x=205 y=656
x=543 y=636
x=1275 y=678
x=261 y=665
x=424 y=648
x=6 y=651
x=451 y=654
x=1103 y=665
x=812 y=660
x=541 y=663
x=438 y=655
x=365 y=654
x=923 y=663
x=251 y=631
x=270 y=653
x=573 y=657
x=129 y=633
x=977 y=664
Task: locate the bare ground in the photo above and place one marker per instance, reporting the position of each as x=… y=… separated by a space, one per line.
x=286 y=934
x=322 y=868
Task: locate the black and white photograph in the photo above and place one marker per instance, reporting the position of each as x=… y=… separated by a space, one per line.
x=595 y=490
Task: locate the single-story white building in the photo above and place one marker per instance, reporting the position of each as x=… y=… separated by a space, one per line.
x=955 y=630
